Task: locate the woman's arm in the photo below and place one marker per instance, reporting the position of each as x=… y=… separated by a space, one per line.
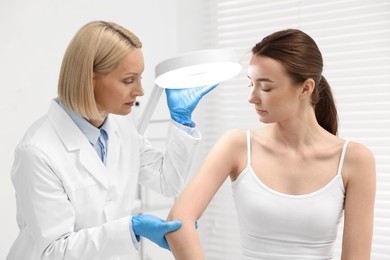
x=225 y=158
x=359 y=203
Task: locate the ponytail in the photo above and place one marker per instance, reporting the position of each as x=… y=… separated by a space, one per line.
x=324 y=106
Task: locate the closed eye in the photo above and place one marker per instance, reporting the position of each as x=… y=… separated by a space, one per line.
x=262 y=89
x=130 y=80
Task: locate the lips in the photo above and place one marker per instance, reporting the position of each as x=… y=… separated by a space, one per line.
x=260 y=111
x=130 y=103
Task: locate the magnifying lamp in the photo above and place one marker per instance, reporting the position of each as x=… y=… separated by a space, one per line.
x=193 y=69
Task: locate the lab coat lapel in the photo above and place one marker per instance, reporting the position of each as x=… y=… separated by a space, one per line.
x=91 y=161
x=74 y=140
x=113 y=144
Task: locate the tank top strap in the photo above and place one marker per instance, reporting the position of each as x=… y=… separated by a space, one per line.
x=342 y=157
x=248 y=142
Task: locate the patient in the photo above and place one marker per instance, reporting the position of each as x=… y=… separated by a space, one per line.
x=293 y=180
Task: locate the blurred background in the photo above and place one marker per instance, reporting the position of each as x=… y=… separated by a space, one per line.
x=353 y=35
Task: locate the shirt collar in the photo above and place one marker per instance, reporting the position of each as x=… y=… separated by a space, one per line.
x=91 y=132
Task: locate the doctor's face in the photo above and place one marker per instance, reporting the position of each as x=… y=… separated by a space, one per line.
x=117 y=91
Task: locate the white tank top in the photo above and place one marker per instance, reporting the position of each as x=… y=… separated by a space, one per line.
x=275 y=225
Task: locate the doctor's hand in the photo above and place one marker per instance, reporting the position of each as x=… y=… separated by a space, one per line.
x=153 y=228
x=182 y=102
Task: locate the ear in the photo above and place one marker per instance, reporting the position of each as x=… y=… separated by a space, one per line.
x=94 y=80
x=307 y=88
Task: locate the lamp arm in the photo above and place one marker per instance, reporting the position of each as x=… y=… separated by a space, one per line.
x=149 y=109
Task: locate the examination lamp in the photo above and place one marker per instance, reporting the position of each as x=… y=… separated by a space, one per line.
x=193 y=69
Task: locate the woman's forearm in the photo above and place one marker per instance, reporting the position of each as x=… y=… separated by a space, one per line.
x=184 y=243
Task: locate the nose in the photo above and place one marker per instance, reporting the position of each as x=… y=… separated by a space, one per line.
x=253 y=98
x=138 y=91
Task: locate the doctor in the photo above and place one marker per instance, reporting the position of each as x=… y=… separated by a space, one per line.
x=76 y=170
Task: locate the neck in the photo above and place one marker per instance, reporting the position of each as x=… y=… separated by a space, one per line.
x=298 y=132
x=97 y=123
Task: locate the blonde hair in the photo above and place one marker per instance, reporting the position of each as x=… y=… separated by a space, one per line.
x=98 y=47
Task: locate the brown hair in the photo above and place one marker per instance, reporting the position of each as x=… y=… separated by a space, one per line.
x=98 y=47
x=302 y=59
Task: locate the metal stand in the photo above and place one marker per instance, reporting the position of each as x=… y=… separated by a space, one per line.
x=149 y=109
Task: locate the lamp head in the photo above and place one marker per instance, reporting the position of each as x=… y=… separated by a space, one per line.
x=199 y=68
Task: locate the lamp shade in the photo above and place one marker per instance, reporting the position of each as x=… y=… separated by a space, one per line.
x=198 y=68
x=193 y=69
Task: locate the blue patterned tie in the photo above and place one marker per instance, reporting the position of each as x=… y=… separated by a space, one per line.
x=102 y=145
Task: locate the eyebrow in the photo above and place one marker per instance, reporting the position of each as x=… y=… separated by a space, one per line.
x=130 y=74
x=262 y=79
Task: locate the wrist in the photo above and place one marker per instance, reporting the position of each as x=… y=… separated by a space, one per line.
x=192 y=124
x=183 y=120
x=135 y=222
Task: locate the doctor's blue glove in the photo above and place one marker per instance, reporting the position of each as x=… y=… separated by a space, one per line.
x=153 y=228
x=182 y=102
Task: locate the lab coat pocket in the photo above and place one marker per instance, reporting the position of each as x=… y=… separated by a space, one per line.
x=87 y=198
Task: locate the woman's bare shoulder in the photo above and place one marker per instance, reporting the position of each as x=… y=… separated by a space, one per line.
x=236 y=136
x=359 y=153
x=234 y=143
x=359 y=162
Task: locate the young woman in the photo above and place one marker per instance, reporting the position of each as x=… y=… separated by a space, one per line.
x=292 y=180
x=76 y=170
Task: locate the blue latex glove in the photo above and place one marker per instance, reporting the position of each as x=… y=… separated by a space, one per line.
x=182 y=102
x=153 y=228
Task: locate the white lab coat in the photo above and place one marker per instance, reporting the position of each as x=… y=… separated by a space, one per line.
x=70 y=205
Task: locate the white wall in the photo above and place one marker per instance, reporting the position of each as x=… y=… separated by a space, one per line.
x=34 y=37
